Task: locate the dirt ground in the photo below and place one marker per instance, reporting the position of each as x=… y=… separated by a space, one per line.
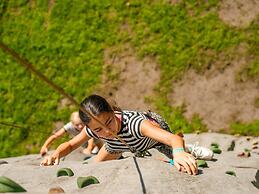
x=135 y=79
x=216 y=95
x=238 y=13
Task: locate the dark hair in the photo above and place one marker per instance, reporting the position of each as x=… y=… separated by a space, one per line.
x=94 y=104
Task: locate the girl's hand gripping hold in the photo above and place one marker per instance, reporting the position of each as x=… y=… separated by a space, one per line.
x=53 y=159
x=184 y=160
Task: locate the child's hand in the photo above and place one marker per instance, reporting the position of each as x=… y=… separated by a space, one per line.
x=43 y=151
x=51 y=160
x=186 y=161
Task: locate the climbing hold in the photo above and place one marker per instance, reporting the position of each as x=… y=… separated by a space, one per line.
x=8 y=185
x=244 y=154
x=87 y=157
x=231 y=173
x=216 y=150
x=197 y=132
x=215 y=145
x=85 y=181
x=202 y=163
x=248 y=138
x=65 y=172
x=232 y=146
x=55 y=190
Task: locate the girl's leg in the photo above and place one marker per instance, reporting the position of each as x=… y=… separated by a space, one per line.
x=104 y=155
x=98 y=143
x=90 y=146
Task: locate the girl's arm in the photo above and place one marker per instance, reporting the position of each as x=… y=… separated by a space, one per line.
x=56 y=135
x=181 y=158
x=65 y=148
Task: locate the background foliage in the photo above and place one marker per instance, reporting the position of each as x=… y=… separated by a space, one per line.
x=65 y=40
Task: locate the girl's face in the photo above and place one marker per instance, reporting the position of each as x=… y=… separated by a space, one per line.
x=109 y=120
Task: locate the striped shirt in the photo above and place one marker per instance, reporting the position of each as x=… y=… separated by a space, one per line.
x=130 y=132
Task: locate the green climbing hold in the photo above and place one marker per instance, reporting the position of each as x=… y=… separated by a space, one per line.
x=232 y=146
x=202 y=163
x=65 y=172
x=215 y=145
x=231 y=173
x=8 y=185
x=216 y=150
x=85 y=181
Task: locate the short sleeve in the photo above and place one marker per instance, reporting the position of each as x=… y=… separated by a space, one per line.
x=68 y=126
x=134 y=125
x=89 y=133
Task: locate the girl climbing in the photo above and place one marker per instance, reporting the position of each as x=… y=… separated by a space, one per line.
x=133 y=131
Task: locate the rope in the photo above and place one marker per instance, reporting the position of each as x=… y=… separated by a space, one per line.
x=140 y=176
x=25 y=127
x=24 y=62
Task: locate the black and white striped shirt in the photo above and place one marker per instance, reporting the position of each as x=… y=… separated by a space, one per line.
x=130 y=132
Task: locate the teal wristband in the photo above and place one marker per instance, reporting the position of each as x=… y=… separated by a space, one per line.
x=171 y=161
x=176 y=150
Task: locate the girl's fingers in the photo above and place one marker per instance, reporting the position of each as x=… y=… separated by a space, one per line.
x=177 y=166
x=183 y=163
x=50 y=160
x=191 y=165
x=183 y=169
x=56 y=161
x=44 y=162
x=192 y=159
x=194 y=162
x=188 y=163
